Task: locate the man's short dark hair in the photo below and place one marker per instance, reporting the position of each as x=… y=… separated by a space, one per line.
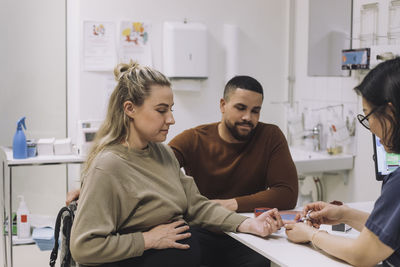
x=243 y=82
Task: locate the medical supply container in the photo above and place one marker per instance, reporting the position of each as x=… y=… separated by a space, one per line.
x=23 y=220
x=20 y=149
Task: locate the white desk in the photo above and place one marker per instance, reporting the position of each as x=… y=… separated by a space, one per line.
x=280 y=250
x=7 y=163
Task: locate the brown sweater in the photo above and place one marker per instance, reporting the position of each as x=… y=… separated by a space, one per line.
x=127 y=192
x=258 y=173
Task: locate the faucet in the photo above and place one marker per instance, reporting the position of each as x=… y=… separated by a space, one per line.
x=315 y=135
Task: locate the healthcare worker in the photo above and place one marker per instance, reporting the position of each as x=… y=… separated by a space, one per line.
x=379 y=239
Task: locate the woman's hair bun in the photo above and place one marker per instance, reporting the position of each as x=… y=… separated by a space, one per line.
x=123 y=68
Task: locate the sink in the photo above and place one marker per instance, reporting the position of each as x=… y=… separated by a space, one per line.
x=317 y=162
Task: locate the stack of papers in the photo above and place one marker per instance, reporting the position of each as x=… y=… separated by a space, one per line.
x=44 y=238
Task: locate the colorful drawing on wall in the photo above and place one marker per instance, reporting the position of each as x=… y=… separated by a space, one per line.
x=135 y=42
x=136 y=33
x=99 y=46
x=99 y=29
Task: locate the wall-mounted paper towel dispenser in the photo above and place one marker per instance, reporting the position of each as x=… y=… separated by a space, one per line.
x=185 y=50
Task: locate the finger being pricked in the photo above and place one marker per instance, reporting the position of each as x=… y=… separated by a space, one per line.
x=267 y=229
x=274 y=214
x=273 y=225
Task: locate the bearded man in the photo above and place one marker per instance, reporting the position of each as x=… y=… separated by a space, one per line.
x=240 y=163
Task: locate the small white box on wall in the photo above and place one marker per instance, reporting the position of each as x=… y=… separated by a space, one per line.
x=185 y=50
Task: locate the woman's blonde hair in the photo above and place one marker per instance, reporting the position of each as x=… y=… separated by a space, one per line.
x=134 y=84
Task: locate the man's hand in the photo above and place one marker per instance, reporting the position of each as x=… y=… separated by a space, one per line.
x=165 y=236
x=230 y=204
x=72 y=195
x=265 y=224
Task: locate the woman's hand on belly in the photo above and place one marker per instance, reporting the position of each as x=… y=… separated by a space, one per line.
x=166 y=236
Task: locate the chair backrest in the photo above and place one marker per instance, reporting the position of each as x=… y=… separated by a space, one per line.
x=65 y=218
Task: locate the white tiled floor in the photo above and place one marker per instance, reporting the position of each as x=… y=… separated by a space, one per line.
x=30 y=255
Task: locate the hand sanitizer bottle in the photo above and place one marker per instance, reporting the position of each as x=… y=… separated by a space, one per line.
x=23 y=222
x=20 y=148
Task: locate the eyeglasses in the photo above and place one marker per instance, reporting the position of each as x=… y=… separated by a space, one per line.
x=364 y=119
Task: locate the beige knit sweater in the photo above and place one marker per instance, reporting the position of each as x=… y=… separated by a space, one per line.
x=127 y=192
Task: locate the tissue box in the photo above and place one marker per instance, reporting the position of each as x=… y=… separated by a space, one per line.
x=44 y=238
x=45 y=146
x=63 y=147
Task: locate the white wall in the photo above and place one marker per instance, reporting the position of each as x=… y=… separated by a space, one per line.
x=262 y=54
x=33 y=84
x=317 y=92
x=33 y=71
x=33 y=77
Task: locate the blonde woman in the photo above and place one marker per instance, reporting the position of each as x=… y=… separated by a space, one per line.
x=136 y=206
x=379 y=239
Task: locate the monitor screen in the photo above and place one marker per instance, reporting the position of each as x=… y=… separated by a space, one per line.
x=353 y=59
x=385 y=163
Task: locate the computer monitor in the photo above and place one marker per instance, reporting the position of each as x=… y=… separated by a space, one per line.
x=385 y=163
x=355 y=59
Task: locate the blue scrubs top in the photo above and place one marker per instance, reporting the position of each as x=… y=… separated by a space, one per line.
x=384 y=220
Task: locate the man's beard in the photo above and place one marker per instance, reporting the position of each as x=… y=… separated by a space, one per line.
x=235 y=132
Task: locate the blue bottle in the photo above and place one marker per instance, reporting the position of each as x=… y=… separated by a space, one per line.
x=20 y=148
